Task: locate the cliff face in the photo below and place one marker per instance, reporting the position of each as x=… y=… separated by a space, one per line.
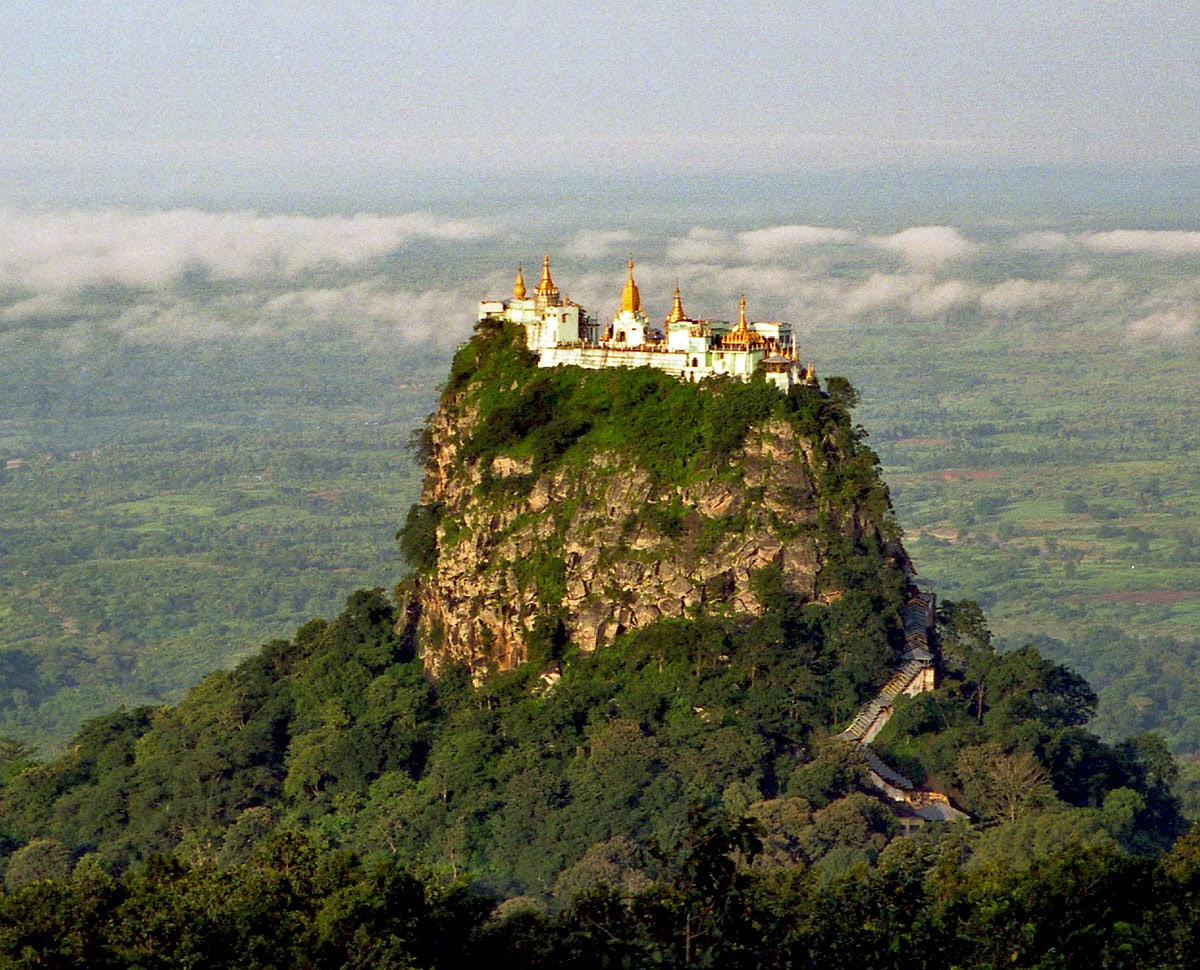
x=592 y=541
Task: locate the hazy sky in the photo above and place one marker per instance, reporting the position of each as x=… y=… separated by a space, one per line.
x=129 y=91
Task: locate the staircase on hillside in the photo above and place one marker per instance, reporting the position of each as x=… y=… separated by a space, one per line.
x=914 y=675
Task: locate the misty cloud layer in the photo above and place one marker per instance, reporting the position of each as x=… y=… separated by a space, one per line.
x=185 y=275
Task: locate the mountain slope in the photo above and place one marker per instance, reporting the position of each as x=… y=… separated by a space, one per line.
x=603 y=501
x=412 y=728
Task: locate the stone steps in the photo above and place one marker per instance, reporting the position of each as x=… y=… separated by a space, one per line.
x=890 y=775
x=872 y=716
x=880 y=705
x=870 y=719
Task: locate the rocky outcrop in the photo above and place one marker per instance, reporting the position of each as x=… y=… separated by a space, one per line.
x=601 y=548
x=568 y=505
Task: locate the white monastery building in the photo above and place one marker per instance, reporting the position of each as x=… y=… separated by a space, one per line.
x=560 y=331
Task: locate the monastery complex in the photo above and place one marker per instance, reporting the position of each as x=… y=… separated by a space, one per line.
x=560 y=331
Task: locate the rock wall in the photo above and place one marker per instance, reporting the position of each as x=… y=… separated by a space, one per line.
x=601 y=547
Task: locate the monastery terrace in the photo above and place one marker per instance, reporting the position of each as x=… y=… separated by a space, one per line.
x=560 y=331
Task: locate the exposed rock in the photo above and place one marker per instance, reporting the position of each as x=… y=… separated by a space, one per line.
x=576 y=541
x=505 y=467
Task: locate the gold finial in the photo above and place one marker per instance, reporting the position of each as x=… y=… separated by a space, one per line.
x=519 y=286
x=677 y=313
x=742 y=314
x=631 y=300
x=546 y=292
x=547 y=284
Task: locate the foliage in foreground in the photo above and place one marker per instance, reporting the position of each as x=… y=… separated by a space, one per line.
x=549 y=791
x=292 y=905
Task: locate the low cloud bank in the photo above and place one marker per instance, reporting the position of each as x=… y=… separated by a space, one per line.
x=1171 y=327
x=71 y=250
x=185 y=275
x=1090 y=284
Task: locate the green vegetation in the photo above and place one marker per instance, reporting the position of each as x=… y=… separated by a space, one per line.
x=292 y=905
x=167 y=508
x=1006 y=731
x=674 y=799
x=1049 y=472
x=671 y=800
x=521 y=782
x=1061 y=492
x=670 y=430
x=503 y=406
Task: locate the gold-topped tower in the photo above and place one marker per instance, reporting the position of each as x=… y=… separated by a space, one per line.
x=631 y=299
x=546 y=292
x=743 y=336
x=561 y=333
x=677 y=315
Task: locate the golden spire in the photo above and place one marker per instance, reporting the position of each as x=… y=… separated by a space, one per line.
x=546 y=287
x=742 y=315
x=631 y=300
x=677 y=313
x=519 y=286
x=546 y=293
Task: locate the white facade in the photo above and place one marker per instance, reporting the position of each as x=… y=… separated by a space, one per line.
x=629 y=329
x=561 y=333
x=544 y=328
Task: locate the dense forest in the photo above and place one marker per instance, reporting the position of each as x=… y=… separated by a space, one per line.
x=677 y=797
x=709 y=906
x=170 y=504
x=338 y=731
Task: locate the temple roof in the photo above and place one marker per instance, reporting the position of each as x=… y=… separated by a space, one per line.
x=677 y=315
x=631 y=299
x=546 y=288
